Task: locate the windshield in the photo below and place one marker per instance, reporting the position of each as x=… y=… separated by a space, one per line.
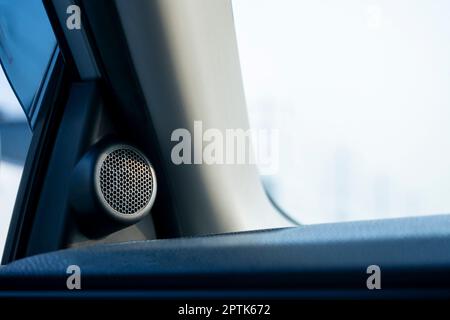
x=359 y=91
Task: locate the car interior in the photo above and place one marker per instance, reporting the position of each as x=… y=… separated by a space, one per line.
x=108 y=90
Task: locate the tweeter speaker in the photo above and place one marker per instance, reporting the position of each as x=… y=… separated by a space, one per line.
x=112 y=186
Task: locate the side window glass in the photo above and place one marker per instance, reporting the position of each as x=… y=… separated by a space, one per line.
x=15 y=137
x=27 y=43
x=27 y=47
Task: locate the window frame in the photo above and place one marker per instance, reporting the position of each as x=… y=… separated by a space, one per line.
x=44 y=125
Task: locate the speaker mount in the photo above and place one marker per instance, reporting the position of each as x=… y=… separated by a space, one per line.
x=112 y=186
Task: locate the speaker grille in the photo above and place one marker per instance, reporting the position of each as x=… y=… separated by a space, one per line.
x=126 y=181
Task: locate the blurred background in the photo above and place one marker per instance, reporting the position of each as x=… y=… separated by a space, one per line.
x=15 y=136
x=359 y=91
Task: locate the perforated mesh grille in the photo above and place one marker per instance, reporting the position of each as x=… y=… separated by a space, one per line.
x=126 y=181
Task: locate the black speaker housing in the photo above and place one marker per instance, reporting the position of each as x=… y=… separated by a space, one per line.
x=95 y=214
